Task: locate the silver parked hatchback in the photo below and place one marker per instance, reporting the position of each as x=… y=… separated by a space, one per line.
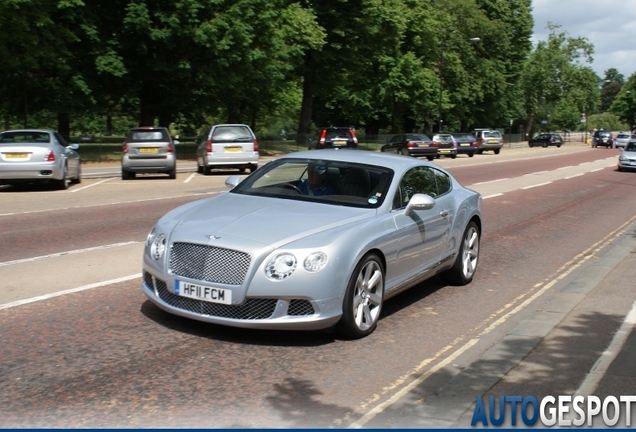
x=227 y=146
x=148 y=149
x=488 y=139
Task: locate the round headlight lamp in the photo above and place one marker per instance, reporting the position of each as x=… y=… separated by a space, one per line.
x=280 y=267
x=151 y=236
x=158 y=247
x=315 y=262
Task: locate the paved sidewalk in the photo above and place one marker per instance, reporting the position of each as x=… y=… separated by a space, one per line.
x=579 y=341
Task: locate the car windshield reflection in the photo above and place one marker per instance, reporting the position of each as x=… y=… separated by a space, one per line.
x=328 y=182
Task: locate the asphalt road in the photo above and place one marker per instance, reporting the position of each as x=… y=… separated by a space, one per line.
x=81 y=346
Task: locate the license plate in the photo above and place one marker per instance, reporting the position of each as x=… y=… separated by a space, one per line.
x=422 y=145
x=339 y=142
x=202 y=292
x=464 y=145
x=492 y=141
x=234 y=149
x=148 y=150
x=444 y=151
x=16 y=155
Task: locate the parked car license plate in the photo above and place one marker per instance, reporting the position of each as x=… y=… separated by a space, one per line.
x=148 y=150
x=202 y=292
x=492 y=141
x=16 y=155
x=464 y=145
x=233 y=149
x=444 y=151
x=339 y=142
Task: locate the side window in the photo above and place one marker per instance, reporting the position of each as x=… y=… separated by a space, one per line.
x=61 y=141
x=417 y=180
x=443 y=182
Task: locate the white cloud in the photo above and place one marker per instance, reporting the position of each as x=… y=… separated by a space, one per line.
x=609 y=25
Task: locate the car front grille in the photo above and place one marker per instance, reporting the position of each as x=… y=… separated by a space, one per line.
x=251 y=309
x=209 y=263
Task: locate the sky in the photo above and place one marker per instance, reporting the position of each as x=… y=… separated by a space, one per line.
x=609 y=25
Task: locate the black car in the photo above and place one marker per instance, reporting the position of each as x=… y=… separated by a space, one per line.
x=411 y=144
x=334 y=137
x=466 y=143
x=545 y=140
x=603 y=138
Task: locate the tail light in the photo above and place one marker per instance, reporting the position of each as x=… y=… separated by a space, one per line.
x=170 y=147
x=435 y=144
x=50 y=157
x=474 y=144
x=256 y=145
x=124 y=148
x=208 y=146
x=410 y=144
x=482 y=140
x=323 y=137
x=502 y=140
x=354 y=137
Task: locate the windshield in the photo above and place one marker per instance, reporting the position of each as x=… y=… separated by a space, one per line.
x=328 y=182
x=25 y=137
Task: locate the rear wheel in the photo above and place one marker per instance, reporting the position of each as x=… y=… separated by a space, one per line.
x=465 y=265
x=430 y=157
x=404 y=152
x=78 y=177
x=206 y=168
x=173 y=174
x=126 y=175
x=497 y=151
x=61 y=184
x=253 y=168
x=471 y=154
x=363 y=299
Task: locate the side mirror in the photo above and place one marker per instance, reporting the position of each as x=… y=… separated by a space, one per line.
x=176 y=142
x=419 y=202
x=232 y=181
x=74 y=146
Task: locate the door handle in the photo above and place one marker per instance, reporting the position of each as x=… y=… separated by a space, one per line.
x=444 y=213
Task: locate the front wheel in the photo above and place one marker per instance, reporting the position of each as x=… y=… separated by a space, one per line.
x=363 y=299
x=465 y=265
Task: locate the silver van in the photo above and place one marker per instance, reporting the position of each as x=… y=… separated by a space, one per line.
x=227 y=146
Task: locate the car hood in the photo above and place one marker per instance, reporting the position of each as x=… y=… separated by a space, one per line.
x=268 y=221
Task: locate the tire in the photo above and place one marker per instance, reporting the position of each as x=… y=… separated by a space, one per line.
x=430 y=158
x=558 y=145
x=78 y=177
x=61 y=184
x=497 y=151
x=453 y=156
x=125 y=175
x=404 y=152
x=206 y=169
x=463 y=270
x=199 y=169
x=172 y=174
x=480 y=151
x=242 y=170
x=362 y=303
x=253 y=168
x=545 y=145
x=471 y=154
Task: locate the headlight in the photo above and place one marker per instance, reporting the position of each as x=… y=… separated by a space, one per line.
x=151 y=236
x=280 y=267
x=315 y=262
x=622 y=158
x=158 y=247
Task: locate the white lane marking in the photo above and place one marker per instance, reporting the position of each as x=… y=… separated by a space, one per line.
x=69 y=291
x=91 y=185
x=535 y=173
x=597 y=169
x=575 y=175
x=489 y=181
x=190 y=177
x=565 y=167
x=589 y=384
x=537 y=185
x=492 y=196
x=115 y=203
x=76 y=251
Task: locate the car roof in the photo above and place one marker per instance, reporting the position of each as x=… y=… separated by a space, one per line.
x=395 y=162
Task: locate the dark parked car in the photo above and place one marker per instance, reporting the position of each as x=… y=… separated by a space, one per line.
x=466 y=143
x=603 y=138
x=411 y=144
x=334 y=137
x=148 y=149
x=546 y=139
x=445 y=144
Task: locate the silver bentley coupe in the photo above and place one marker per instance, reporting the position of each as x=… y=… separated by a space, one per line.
x=314 y=240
